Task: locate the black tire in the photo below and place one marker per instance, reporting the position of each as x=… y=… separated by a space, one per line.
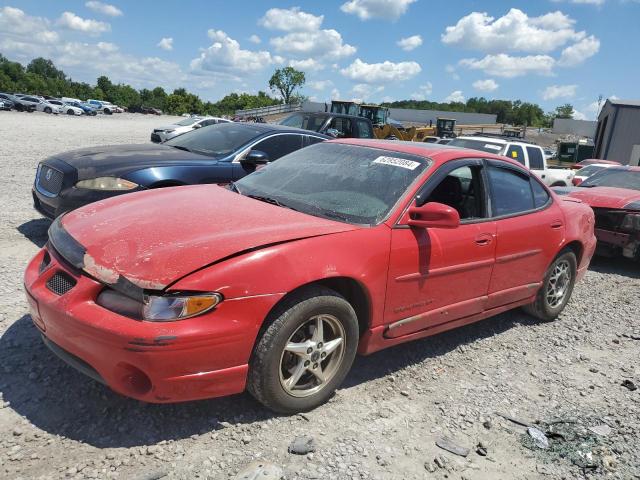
x=70 y=112
x=264 y=368
x=47 y=110
x=107 y=111
x=541 y=307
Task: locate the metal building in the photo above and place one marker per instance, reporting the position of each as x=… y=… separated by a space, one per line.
x=618 y=132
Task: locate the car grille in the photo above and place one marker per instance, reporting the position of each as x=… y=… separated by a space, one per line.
x=50 y=180
x=61 y=283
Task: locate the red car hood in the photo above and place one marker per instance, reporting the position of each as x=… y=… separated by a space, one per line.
x=605 y=197
x=154 y=238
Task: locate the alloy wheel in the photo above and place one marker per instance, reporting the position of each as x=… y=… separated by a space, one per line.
x=312 y=356
x=558 y=284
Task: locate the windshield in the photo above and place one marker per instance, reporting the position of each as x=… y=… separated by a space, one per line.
x=305 y=121
x=614 y=177
x=187 y=121
x=357 y=185
x=589 y=170
x=216 y=140
x=481 y=145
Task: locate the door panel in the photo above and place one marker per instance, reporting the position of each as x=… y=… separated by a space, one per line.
x=437 y=275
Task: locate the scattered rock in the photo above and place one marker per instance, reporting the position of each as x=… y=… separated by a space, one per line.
x=629 y=385
x=302 y=445
x=602 y=430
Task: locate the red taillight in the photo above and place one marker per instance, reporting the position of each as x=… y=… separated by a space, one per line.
x=576 y=181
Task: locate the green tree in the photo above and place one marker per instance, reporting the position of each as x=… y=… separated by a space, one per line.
x=45 y=68
x=285 y=81
x=564 y=111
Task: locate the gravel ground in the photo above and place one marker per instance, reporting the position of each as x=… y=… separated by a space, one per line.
x=562 y=377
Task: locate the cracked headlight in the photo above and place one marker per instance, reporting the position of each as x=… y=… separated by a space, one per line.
x=106 y=183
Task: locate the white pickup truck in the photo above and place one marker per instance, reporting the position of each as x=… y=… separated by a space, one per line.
x=530 y=155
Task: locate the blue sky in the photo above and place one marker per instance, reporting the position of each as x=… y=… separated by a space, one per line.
x=548 y=51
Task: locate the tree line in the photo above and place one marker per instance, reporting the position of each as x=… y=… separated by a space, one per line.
x=42 y=77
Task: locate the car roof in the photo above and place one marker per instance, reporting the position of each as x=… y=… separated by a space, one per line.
x=273 y=127
x=434 y=151
x=330 y=114
x=626 y=168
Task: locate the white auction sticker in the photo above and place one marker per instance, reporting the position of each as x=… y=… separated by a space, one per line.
x=491 y=146
x=397 y=162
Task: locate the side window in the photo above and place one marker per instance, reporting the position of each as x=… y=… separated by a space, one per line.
x=515 y=152
x=510 y=191
x=206 y=123
x=540 y=195
x=342 y=125
x=364 y=129
x=463 y=190
x=279 y=145
x=536 y=160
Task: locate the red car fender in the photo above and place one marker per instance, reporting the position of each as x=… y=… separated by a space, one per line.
x=360 y=255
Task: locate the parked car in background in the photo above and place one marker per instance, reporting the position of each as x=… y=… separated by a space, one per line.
x=334 y=124
x=527 y=154
x=101 y=106
x=614 y=195
x=18 y=103
x=147 y=110
x=67 y=108
x=591 y=161
x=186 y=125
x=6 y=104
x=550 y=153
x=41 y=105
x=588 y=171
x=86 y=108
x=216 y=154
x=342 y=247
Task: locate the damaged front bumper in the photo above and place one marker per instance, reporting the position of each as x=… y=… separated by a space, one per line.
x=618 y=232
x=158 y=362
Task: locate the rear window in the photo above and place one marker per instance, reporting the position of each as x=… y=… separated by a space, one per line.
x=536 y=160
x=482 y=145
x=614 y=177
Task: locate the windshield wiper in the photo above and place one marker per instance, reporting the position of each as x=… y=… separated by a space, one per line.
x=270 y=200
x=233 y=187
x=180 y=147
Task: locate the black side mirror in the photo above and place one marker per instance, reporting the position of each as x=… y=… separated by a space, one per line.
x=255 y=157
x=197 y=125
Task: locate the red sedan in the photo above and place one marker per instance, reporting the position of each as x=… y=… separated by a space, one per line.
x=274 y=284
x=614 y=195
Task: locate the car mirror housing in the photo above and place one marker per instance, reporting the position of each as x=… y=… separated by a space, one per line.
x=433 y=215
x=255 y=157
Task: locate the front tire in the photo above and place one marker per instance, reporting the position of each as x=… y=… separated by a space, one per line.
x=70 y=112
x=47 y=110
x=556 y=288
x=305 y=352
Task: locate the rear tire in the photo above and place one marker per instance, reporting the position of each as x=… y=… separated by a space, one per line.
x=107 y=111
x=70 y=112
x=287 y=380
x=556 y=289
x=47 y=110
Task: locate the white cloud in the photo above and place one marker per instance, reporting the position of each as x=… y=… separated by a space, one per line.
x=166 y=43
x=488 y=85
x=290 y=20
x=318 y=44
x=423 y=92
x=384 y=72
x=72 y=21
x=225 y=56
x=579 y=52
x=255 y=39
x=410 y=43
x=307 y=65
x=104 y=8
x=503 y=65
x=363 y=92
x=20 y=33
x=515 y=31
x=455 y=96
x=335 y=94
x=559 y=91
x=385 y=9
x=579 y=115
x=320 y=85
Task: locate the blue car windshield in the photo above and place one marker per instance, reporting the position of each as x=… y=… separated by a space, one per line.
x=216 y=140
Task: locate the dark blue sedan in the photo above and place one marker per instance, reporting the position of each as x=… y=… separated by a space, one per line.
x=218 y=154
